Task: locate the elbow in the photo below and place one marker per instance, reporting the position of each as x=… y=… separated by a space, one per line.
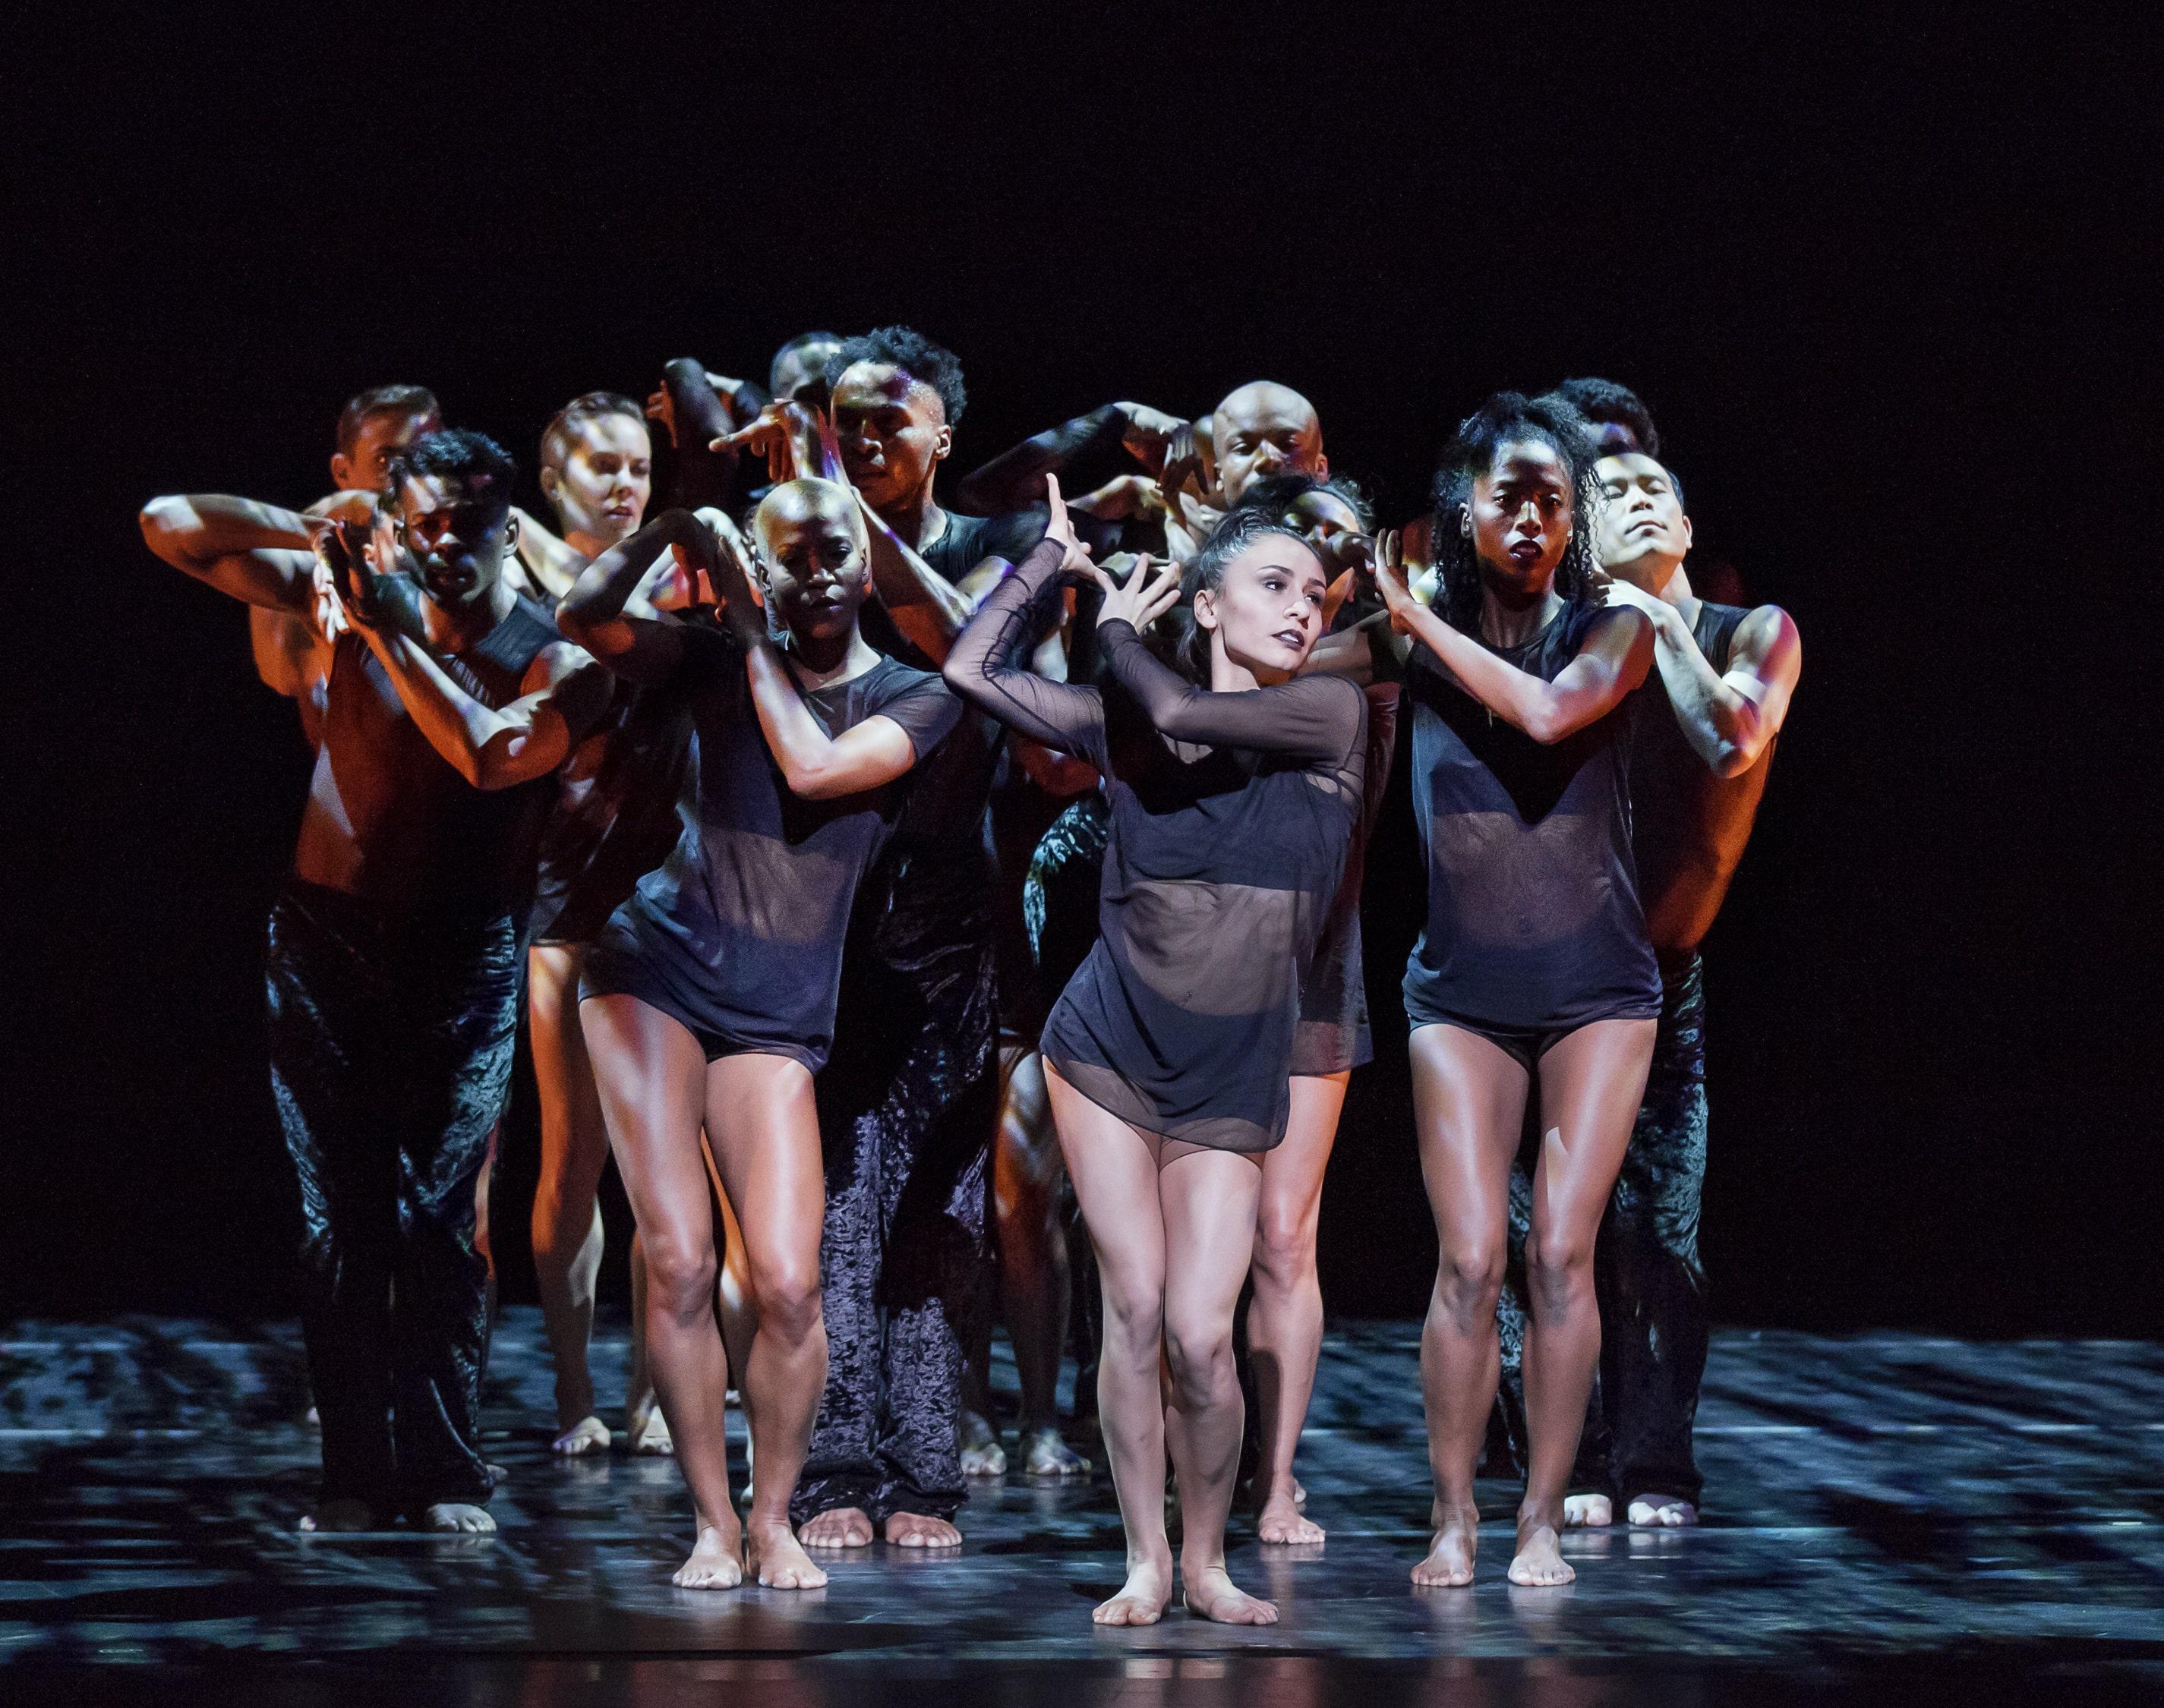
x=1545 y=726
x=161 y=521
x=956 y=674
x=1731 y=759
x=814 y=782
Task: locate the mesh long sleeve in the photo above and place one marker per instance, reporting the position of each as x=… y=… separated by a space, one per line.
x=1318 y=718
x=980 y=668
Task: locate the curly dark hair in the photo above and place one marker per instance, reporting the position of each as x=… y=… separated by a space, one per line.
x=1511 y=417
x=908 y=349
x=1277 y=494
x=1240 y=529
x=1604 y=401
x=473 y=459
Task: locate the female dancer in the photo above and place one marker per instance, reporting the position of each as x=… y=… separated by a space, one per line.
x=1168 y=1057
x=708 y=1000
x=1534 y=963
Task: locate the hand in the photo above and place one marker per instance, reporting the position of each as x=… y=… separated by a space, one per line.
x=1124 y=496
x=1074 y=560
x=1139 y=599
x=1613 y=592
x=1149 y=433
x=733 y=582
x=784 y=433
x=343 y=506
x=1391 y=583
x=662 y=407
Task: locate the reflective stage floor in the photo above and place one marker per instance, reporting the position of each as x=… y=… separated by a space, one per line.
x=1888 y=1518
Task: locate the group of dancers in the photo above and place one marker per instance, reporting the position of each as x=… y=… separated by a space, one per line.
x=875 y=873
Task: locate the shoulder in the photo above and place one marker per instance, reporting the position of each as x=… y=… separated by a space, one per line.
x=1766 y=636
x=919 y=700
x=1615 y=629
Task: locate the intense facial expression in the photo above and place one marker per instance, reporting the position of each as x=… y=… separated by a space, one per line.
x=801 y=373
x=1644 y=533
x=893 y=431
x=811 y=558
x=1267 y=613
x=1263 y=430
x=1521 y=513
x=1323 y=517
x=362 y=468
x=602 y=490
x=454 y=534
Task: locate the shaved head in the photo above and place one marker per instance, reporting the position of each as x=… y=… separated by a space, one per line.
x=1261 y=429
x=797 y=501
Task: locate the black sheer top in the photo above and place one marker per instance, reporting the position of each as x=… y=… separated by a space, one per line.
x=1231 y=817
x=739 y=934
x=1333 y=1034
x=1533 y=920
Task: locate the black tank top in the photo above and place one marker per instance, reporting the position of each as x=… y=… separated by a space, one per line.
x=1533 y=920
x=390 y=822
x=1690 y=826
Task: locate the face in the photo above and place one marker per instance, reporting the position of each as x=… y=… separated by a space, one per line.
x=456 y=536
x=893 y=431
x=1268 y=611
x=362 y=468
x=1323 y=518
x=601 y=491
x=811 y=558
x=801 y=374
x=1263 y=430
x=1644 y=533
x=1521 y=515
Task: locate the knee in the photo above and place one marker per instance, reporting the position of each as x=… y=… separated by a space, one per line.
x=1469 y=1278
x=787 y=1294
x=1134 y=1314
x=1558 y=1266
x=1200 y=1357
x=680 y=1276
x=1284 y=1247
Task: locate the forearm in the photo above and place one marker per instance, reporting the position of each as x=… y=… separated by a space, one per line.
x=980 y=666
x=473 y=739
x=1290 y=719
x=1015 y=478
x=1522 y=700
x=927 y=607
x=594 y=612
x=1724 y=728
x=224 y=541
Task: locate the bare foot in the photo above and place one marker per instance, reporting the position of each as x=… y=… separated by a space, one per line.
x=716 y=1562
x=458 y=1519
x=1449 y=1562
x=774 y=1555
x=1588 y=1511
x=1046 y=1454
x=982 y=1455
x=587 y=1435
x=838 y=1526
x=1540 y=1562
x=1143 y=1599
x=1282 y=1521
x=649 y=1434
x=336 y=1516
x=1663 y=1511
x=1300 y=1494
x=916 y=1530
x=1211 y=1593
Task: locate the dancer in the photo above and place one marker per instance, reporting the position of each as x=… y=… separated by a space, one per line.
x=1534 y=965
x=615 y=820
x=395 y=947
x=1707 y=727
x=708 y=1000
x=1168 y=1057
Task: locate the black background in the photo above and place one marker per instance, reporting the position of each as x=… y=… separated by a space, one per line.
x=1879 y=282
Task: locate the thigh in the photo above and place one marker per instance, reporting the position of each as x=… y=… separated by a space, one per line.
x=1469 y=1105
x=552 y=1009
x=1292 y=1173
x=763 y=1130
x=1208 y=1199
x=1115 y=1171
x=651 y=1075
x=1592 y=1082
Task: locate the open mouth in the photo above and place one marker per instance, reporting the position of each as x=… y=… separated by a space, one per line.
x=1525 y=553
x=1291 y=638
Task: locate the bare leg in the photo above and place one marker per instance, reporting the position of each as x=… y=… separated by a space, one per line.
x=1284 y=1319
x=567 y=1211
x=643 y=1423
x=1209 y=1199
x=653 y=1079
x=764 y=1133
x=1468 y=1101
x=1591 y=1085
x=1115 y=1170
x=1034 y=1279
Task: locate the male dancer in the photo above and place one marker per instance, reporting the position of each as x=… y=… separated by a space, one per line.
x=395 y=947
x=1702 y=747
x=290 y=657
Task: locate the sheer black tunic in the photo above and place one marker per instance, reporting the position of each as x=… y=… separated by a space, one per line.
x=739 y=934
x=1231 y=817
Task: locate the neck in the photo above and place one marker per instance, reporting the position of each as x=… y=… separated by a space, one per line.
x=818 y=662
x=454 y=628
x=1507 y=621
x=1226 y=677
x=916 y=519
x=589 y=545
x=1665 y=581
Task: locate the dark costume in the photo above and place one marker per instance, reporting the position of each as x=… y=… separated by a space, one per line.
x=393 y=976
x=1690 y=830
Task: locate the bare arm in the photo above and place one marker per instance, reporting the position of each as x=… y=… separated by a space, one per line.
x=928 y=608
x=599 y=613
x=256 y=553
x=1013 y=479
x=552 y=567
x=493 y=748
x=1729 y=719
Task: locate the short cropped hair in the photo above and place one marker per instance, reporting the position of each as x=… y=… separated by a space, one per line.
x=379 y=400
x=915 y=355
x=808 y=486
x=1602 y=401
x=802 y=341
x=474 y=460
x=556 y=438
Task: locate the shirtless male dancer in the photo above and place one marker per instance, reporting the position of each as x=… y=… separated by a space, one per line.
x=395 y=947
x=1705 y=732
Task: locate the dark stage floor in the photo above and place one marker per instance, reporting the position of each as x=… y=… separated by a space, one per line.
x=1886 y=1515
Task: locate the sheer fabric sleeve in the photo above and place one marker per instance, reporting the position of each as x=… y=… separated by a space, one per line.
x=1321 y=717
x=980 y=667
x=925 y=710
x=1383 y=698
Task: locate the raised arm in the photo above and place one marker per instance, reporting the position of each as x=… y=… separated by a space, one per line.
x=1617 y=653
x=1013 y=479
x=256 y=553
x=564 y=691
x=982 y=668
x=599 y=613
x=928 y=608
x=1729 y=719
x=1311 y=717
x=550 y=568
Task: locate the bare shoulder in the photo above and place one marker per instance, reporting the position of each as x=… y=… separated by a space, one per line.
x=1767 y=640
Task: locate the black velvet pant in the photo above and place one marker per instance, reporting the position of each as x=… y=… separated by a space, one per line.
x=901 y=1252
x=391 y=1051
x=1646 y=1275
